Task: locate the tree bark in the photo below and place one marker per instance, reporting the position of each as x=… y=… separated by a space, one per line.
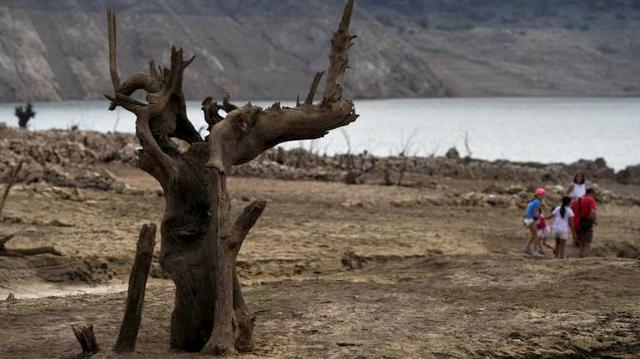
x=135 y=295
x=87 y=339
x=199 y=243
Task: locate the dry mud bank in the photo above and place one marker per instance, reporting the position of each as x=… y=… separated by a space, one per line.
x=443 y=306
x=334 y=271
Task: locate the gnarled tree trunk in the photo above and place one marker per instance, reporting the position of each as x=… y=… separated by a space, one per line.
x=200 y=242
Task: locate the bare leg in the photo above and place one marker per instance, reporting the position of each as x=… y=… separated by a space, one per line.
x=533 y=237
x=560 y=247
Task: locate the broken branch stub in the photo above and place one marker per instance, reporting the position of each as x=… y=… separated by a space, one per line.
x=87 y=339
x=135 y=294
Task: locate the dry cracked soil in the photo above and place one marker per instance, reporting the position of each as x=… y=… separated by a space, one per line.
x=330 y=271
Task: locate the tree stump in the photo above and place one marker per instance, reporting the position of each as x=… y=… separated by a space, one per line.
x=199 y=240
x=87 y=339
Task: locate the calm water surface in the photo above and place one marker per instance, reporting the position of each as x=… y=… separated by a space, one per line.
x=521 y=129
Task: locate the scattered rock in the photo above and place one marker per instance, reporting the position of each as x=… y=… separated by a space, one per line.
x=59 y=223
x=66 y=159
x=630 y=175
x=350 y=260
x=628 y=250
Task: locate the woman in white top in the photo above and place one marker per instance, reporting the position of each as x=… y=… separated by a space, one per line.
x=579 y=186
x=562 y=217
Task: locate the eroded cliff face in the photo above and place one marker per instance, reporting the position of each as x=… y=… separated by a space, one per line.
x=259 y=49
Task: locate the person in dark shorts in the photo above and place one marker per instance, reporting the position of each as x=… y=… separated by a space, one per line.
x=584 y=220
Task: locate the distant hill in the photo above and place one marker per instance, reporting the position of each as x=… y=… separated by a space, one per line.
x=269 y=49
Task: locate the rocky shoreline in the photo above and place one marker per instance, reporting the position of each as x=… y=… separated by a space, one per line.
x=73 y=159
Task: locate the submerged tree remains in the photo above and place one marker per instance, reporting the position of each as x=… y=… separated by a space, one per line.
x=4 y=238
x=24 y=115
x=199 y=240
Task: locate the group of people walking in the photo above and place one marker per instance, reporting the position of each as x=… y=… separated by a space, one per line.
x=574 y=217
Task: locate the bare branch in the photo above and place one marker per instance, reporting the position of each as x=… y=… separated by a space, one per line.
x=314 y=87
x=250 y=130
x=226 y=105
x=4 y=238
x=113 y=67
x=12 y=181
x=150 y=144
x=466 y=144
x=20 y=252
x=153 y=69
x=347 y=139
x=245 y=222
x=149 y=82
x=339 y=59
x=407 y=145
x=126 y=102
x=178 y=65
x=140 y=81
x=158 y=101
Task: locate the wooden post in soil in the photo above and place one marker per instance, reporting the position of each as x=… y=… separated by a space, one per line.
x=87 y=339
x=135 y=294
x=199 y=241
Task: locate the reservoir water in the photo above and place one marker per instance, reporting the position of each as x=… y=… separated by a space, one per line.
x=518 y=129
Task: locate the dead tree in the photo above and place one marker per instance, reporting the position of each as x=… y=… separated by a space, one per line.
x=135 y=294
x=24 y=115
x=199 y=240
